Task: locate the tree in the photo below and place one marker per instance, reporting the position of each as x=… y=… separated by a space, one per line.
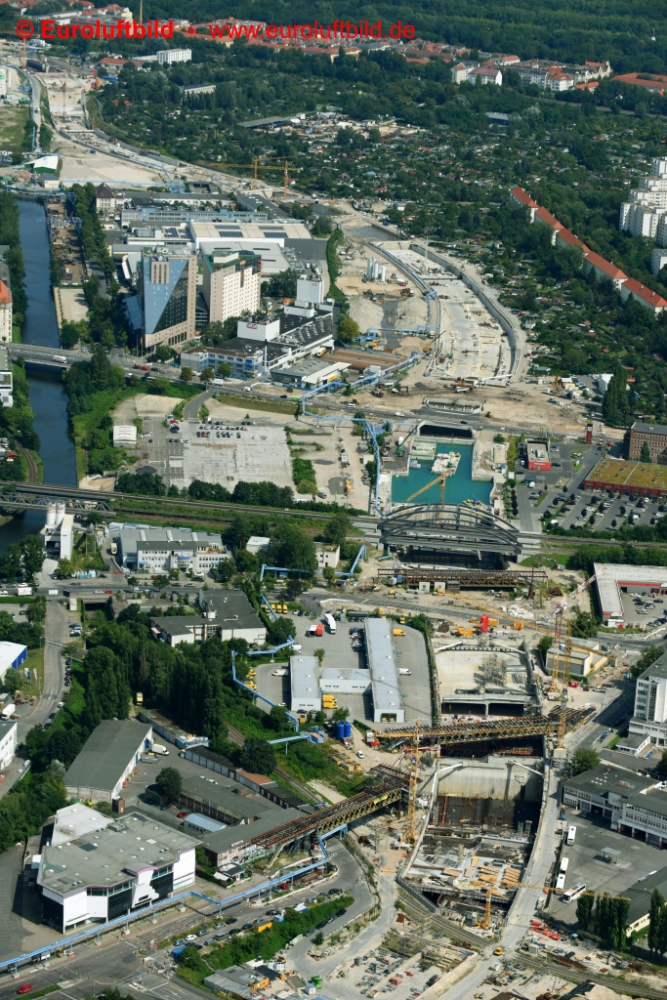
x=585 y=908
x=207 y=375
x=65 y=568
x=648 y=657
x=320 y=654
x=12 y=680
x=258 y=756
x=224 y=370
x=33 y=553
x=544 y=645
x=645 y=453
x=340 y=714
x=281 y=630
x=583 y=759
x=662 y=763
x=337 y=528
x=169 y=783
x=657 y=918
x=329 y=574
x=187 y=374
x=294 y=588
x=318 y=939
x=348 y=329
x=215 y=334
x=292 y=547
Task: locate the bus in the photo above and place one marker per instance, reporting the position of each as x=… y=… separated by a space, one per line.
x=564 y=862
x=560 y=881
x=331 y=623
x=578 y=890
x=571 y=834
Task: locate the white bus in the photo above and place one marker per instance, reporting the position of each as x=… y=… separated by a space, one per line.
x=564 y=862
x=578 y=890
x=331 y=623
x=560 y=881
x=571 y=834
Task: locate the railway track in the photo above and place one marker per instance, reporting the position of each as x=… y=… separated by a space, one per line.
x=64 y=493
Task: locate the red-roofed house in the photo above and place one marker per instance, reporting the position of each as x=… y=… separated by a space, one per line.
x=5 y=314
x=556 y=79
x=459 y=73
x=603 y=270
x=656 y=83
x=507 y=60
x=564 y=238
x=521 y=198
x=547 y=219
x=645 y=296
x=587 y=86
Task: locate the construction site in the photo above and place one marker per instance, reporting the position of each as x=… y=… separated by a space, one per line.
x=485 y=676
x=477 y=839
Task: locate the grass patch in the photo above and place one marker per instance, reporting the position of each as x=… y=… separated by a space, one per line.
x=195 y=966
x=35 y=663
x=269 y=405
x=12 y=126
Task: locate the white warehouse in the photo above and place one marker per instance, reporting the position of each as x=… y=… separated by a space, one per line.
x=304 y=684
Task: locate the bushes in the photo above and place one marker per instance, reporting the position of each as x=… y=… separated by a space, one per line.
x=26 y=808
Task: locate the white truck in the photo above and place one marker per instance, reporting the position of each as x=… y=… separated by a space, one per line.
x=159 y=749
x=331 y=623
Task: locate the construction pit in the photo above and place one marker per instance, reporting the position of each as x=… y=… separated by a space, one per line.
x=477 y=843
x=485 y=676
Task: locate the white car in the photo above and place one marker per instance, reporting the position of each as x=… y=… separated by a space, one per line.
x=360 y=753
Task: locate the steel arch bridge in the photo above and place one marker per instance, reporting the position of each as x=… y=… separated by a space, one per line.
x=453 y=529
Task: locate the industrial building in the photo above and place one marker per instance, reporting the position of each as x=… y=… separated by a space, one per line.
x=632 y=803
x=582 y=661
x=207 y=234
x=633 y=479
x=58 y=532
x=537 y=456
x=304 y=684
x=158 y=550
x=639 y=895
x=226 y=614
x=614 y=580
x=654 y=436
x=107 y=759
x=312 y=372
x=265 y=345
x=8 y=742
x=237 y=844
x=102 y=868
x=387 y=702
x=12 y=655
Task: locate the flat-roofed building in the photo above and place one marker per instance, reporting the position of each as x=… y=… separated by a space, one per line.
x=614 y=579
x=387 y=702
x=107 y=759
x=158 y=550
x=225 y=614
x=6 y=379
x=537 y=456
x=105 y=867
x=8 y=742
x=305 y=684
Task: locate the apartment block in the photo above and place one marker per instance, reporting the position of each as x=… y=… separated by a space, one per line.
x=231 y=283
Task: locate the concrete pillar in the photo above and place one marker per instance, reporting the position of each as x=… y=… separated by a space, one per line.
x=632 y=832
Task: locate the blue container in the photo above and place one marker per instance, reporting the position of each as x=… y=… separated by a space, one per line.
x=340 y=730
x=347 y=729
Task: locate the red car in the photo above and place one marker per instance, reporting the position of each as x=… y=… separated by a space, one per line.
x=26 y=988
x=181 y=815
x=108 y=591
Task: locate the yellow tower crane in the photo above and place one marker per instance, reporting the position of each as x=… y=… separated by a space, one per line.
x=411 y=832
x=256 y=166
x=485 y=923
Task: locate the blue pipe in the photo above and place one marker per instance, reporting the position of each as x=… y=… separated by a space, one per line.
x=125 y=920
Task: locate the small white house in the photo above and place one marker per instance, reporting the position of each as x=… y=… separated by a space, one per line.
x=327 y=555
x=8 y=742
x=124 y=436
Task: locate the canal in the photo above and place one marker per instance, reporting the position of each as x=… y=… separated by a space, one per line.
x=47 y=395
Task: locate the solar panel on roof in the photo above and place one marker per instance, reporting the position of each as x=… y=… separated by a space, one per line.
x=274 y=232
x=230 y=233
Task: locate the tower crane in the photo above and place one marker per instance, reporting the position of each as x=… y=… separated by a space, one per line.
x=411 y=830
x=485 y=922
x=255 y=166
x=441 y=479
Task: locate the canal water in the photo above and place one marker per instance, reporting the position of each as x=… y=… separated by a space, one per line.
x=459 y=488
x=47 y=395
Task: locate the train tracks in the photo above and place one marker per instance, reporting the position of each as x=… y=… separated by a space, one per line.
x=237 y=737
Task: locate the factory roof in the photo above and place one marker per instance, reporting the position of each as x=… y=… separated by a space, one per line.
x=230 y=608
x=384 y=674
x=204 y=823
x=132 y=539
x=112 y=855
x=640 y=893
x=77 y=821
x=629 y=475
x=610 y=577
x=225 y=839
x=606 y=778
x=645 y=428
x=106 y=753
x=227 y=796
x=304 y=677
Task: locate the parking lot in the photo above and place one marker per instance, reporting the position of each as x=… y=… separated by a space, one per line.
x=608 y=511
x=587 y=863
x=343 y=652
